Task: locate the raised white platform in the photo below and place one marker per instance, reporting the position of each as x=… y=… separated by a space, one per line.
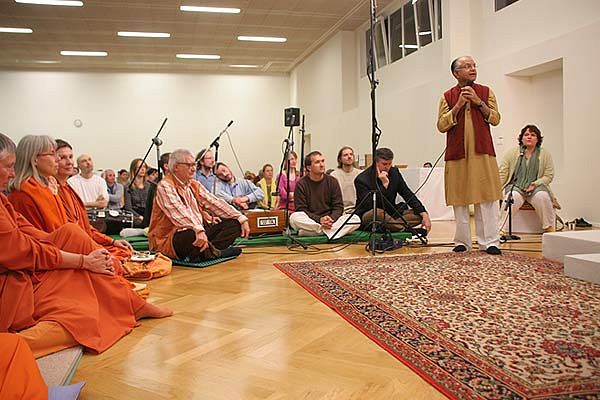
x=556 y=245
x=583 y=266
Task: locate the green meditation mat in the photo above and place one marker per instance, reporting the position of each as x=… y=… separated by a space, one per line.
x=280 y=240
x=201 y=264
x=140 y=243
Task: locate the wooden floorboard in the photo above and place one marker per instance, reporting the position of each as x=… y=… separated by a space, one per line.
x=244 y=330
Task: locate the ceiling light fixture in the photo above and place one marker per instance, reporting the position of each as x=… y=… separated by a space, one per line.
x=144 y=34
x=222 y=10
x=46 y=62
x=243 y=66
x=409 y=46
x=199 y=56
x=68 y=3
x=83 y=53
x=424 y=33
x=15 y=30
x=262 y=39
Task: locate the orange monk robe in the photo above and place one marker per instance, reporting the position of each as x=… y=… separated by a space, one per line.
x=20 y=377
x=96 y=309
x=48 y=212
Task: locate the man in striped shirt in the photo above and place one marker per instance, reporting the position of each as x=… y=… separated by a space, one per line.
x=188 y=222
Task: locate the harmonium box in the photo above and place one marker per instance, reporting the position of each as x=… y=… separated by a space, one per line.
x=266 y=221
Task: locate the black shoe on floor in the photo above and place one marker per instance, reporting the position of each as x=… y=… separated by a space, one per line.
x=582 y=223
x=493 y=250
x=231 y=252
x=459 y=249
x=421 y=231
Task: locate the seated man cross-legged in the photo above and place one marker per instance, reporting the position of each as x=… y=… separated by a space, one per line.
x=319 y=205
x=390 y=184
x=190 y=222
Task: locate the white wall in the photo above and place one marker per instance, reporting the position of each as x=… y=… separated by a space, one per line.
x=121 y=112
x=539 y=56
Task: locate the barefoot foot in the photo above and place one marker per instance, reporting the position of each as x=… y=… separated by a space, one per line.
x=149 y=310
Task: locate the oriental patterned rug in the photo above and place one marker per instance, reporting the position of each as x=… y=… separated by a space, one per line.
x=474 y=326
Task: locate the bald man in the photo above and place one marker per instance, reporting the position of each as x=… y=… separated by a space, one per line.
x=115 y=190
x=90 y=187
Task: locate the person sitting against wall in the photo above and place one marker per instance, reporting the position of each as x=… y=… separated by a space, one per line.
x=136 y=193
x=531 y=176
x=319 y=203
x=286 y=199
x=268 y=185
x=116 y=191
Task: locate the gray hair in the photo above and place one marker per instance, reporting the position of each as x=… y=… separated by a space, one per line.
x=178 y=155
x=7 y=146
x=27 y=150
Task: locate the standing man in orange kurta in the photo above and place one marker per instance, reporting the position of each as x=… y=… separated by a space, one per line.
x=466 y=112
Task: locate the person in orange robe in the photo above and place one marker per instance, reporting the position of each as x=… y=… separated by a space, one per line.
x=20 y=377
x=61 y=277
x=47 y=204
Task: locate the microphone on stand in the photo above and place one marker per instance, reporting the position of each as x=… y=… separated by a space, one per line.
x=523 y=148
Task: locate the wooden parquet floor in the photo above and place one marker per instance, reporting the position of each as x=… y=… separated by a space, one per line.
x=243 y=330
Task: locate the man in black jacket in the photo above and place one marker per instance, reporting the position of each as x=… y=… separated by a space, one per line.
x=390 y=184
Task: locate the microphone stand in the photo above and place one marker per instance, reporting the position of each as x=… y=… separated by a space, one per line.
x=510 y=200
x=215 y=143
x=302 y=131
x=155 y=142
x=289 y=145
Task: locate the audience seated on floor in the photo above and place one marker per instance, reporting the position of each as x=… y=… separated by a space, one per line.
x=58 y=289
x=90 y=187
x=205 y=161
x=136 y=192
x=188 y=222
x=390 y=184
x=345 y=173
x=116 y=193
x=240 y=193
x=286 y=195
x=269 y=187
x=40 y=192
x=319 y=205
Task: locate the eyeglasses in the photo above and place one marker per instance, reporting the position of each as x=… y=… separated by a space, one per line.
x=52 y=153
x=467 y=66
x=187 y=164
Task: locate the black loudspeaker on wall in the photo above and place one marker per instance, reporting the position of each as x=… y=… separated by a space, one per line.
x=291 y=116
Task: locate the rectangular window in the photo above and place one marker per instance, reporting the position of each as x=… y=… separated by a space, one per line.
x=500 y=4
x=424 y=23
x=396 y=35
x=410 y=34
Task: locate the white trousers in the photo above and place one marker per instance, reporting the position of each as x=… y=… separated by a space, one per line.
x=301 y=221
x=486 y=225
x=542 y=203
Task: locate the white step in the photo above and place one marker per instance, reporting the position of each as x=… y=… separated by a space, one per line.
x=556 y=245
x=583 y=266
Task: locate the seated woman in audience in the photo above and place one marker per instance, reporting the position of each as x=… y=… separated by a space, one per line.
x=267 y=184
x=286 y=197
x=59 y=289
x=137 y=193
x=41 y=194
x=152 y=175
x=531 y=169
